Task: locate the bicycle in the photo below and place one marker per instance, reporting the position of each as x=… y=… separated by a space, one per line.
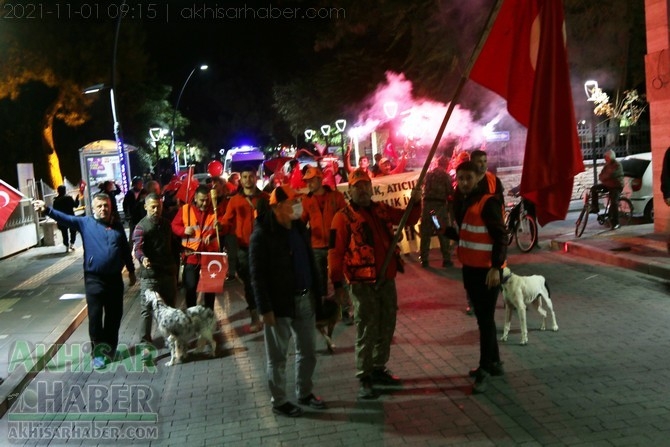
x=625 y=211
x=521 y=223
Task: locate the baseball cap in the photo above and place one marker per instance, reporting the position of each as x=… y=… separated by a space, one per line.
x=358 y=175
x=311 y=173
x=384 y=160
x=281 y=193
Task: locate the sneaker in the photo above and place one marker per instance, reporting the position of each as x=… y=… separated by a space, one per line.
x=424 y=264
x=98 y=362
x=447 y=263
x=481 y=382
x=366 y=391
x=383 y=376
x=288 y=409
x=616 y=227
x=312 y=401
x=71 y=247
x=67 y=249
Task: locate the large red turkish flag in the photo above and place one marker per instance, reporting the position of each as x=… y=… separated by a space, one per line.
x=213 y=271
x=9 y=200
x=525 y=61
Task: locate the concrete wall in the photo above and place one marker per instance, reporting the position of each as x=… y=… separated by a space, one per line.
x=657 y=62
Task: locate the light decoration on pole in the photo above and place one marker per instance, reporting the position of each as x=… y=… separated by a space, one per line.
x=340 y=125
x=391 y=109
x=309 y=133
x=591 y=89
x=156 y=134
x=174 y=115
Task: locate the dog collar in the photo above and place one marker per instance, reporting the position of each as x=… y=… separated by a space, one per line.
x=505 y=279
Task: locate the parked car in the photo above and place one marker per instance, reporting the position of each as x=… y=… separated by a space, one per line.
x=639 y=184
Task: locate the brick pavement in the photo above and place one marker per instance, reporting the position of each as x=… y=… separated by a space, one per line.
x=601 y=380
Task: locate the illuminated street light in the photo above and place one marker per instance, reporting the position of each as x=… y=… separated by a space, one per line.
x=309 y=133
x=174 y=116
x=340 y=125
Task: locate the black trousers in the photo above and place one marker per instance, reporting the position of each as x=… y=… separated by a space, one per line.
x=190 y=279
x=245 y=275
x=484 y=305
x=104 y=299
x=65 y=232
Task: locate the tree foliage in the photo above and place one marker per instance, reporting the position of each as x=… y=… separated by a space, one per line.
x=431 y=41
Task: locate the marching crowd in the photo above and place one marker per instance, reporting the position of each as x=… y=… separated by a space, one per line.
x=286 y=248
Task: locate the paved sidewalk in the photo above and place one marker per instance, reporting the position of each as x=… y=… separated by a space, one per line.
x=600 y=380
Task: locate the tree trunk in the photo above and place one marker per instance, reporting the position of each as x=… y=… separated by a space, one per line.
x=53 y=165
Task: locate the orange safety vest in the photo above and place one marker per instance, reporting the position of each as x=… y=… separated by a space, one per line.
x=359 y=259
x=475 y=243
x=193 y=242
x=491 y=179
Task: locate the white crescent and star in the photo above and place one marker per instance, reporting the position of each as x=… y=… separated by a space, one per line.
x=216 y=263
x=5 y=196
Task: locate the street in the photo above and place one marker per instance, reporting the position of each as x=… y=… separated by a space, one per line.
x=602 y=379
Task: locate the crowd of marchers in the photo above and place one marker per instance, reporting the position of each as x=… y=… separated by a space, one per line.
x=294 y=253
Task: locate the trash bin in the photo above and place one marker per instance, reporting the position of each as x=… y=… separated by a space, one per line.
x=49 y=232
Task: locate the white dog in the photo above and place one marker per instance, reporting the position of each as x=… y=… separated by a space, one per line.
x=518 y=292
x=180 y=327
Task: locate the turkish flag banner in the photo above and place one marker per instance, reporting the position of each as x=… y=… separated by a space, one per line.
x=9 y=200
x=213 y=271
x=525 y=61
x=188 y=186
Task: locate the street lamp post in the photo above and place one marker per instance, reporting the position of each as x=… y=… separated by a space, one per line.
x=118 y=136
x=174 y=116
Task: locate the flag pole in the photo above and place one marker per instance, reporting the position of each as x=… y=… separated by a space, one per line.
x=452 y=104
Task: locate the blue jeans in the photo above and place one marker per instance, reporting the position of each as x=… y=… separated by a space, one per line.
x=277 y=338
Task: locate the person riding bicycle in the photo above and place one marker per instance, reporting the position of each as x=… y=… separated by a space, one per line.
x=527 y=204
x=611 y=181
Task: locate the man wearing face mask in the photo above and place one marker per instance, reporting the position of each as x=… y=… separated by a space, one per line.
x=106 y=252
x=285 y=281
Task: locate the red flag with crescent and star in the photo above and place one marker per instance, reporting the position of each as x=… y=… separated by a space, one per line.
x=187 y=188
x=213 y=271
x=524 y=60
x=9 y=200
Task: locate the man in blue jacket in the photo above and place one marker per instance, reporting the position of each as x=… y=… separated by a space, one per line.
x=285 y=282
x=106 y=252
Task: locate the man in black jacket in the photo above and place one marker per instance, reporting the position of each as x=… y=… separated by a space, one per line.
x=155 y=249
x=285 y=283
x=66 y=204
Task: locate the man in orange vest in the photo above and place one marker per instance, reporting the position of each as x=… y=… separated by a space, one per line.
x=482 y=249
x=319 y=208
x=485 y=178
x=239 y=220
x=194 y=224
x=361 y=235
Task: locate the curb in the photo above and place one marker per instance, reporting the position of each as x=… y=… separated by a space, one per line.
x=20 y=378
x=648 y=266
